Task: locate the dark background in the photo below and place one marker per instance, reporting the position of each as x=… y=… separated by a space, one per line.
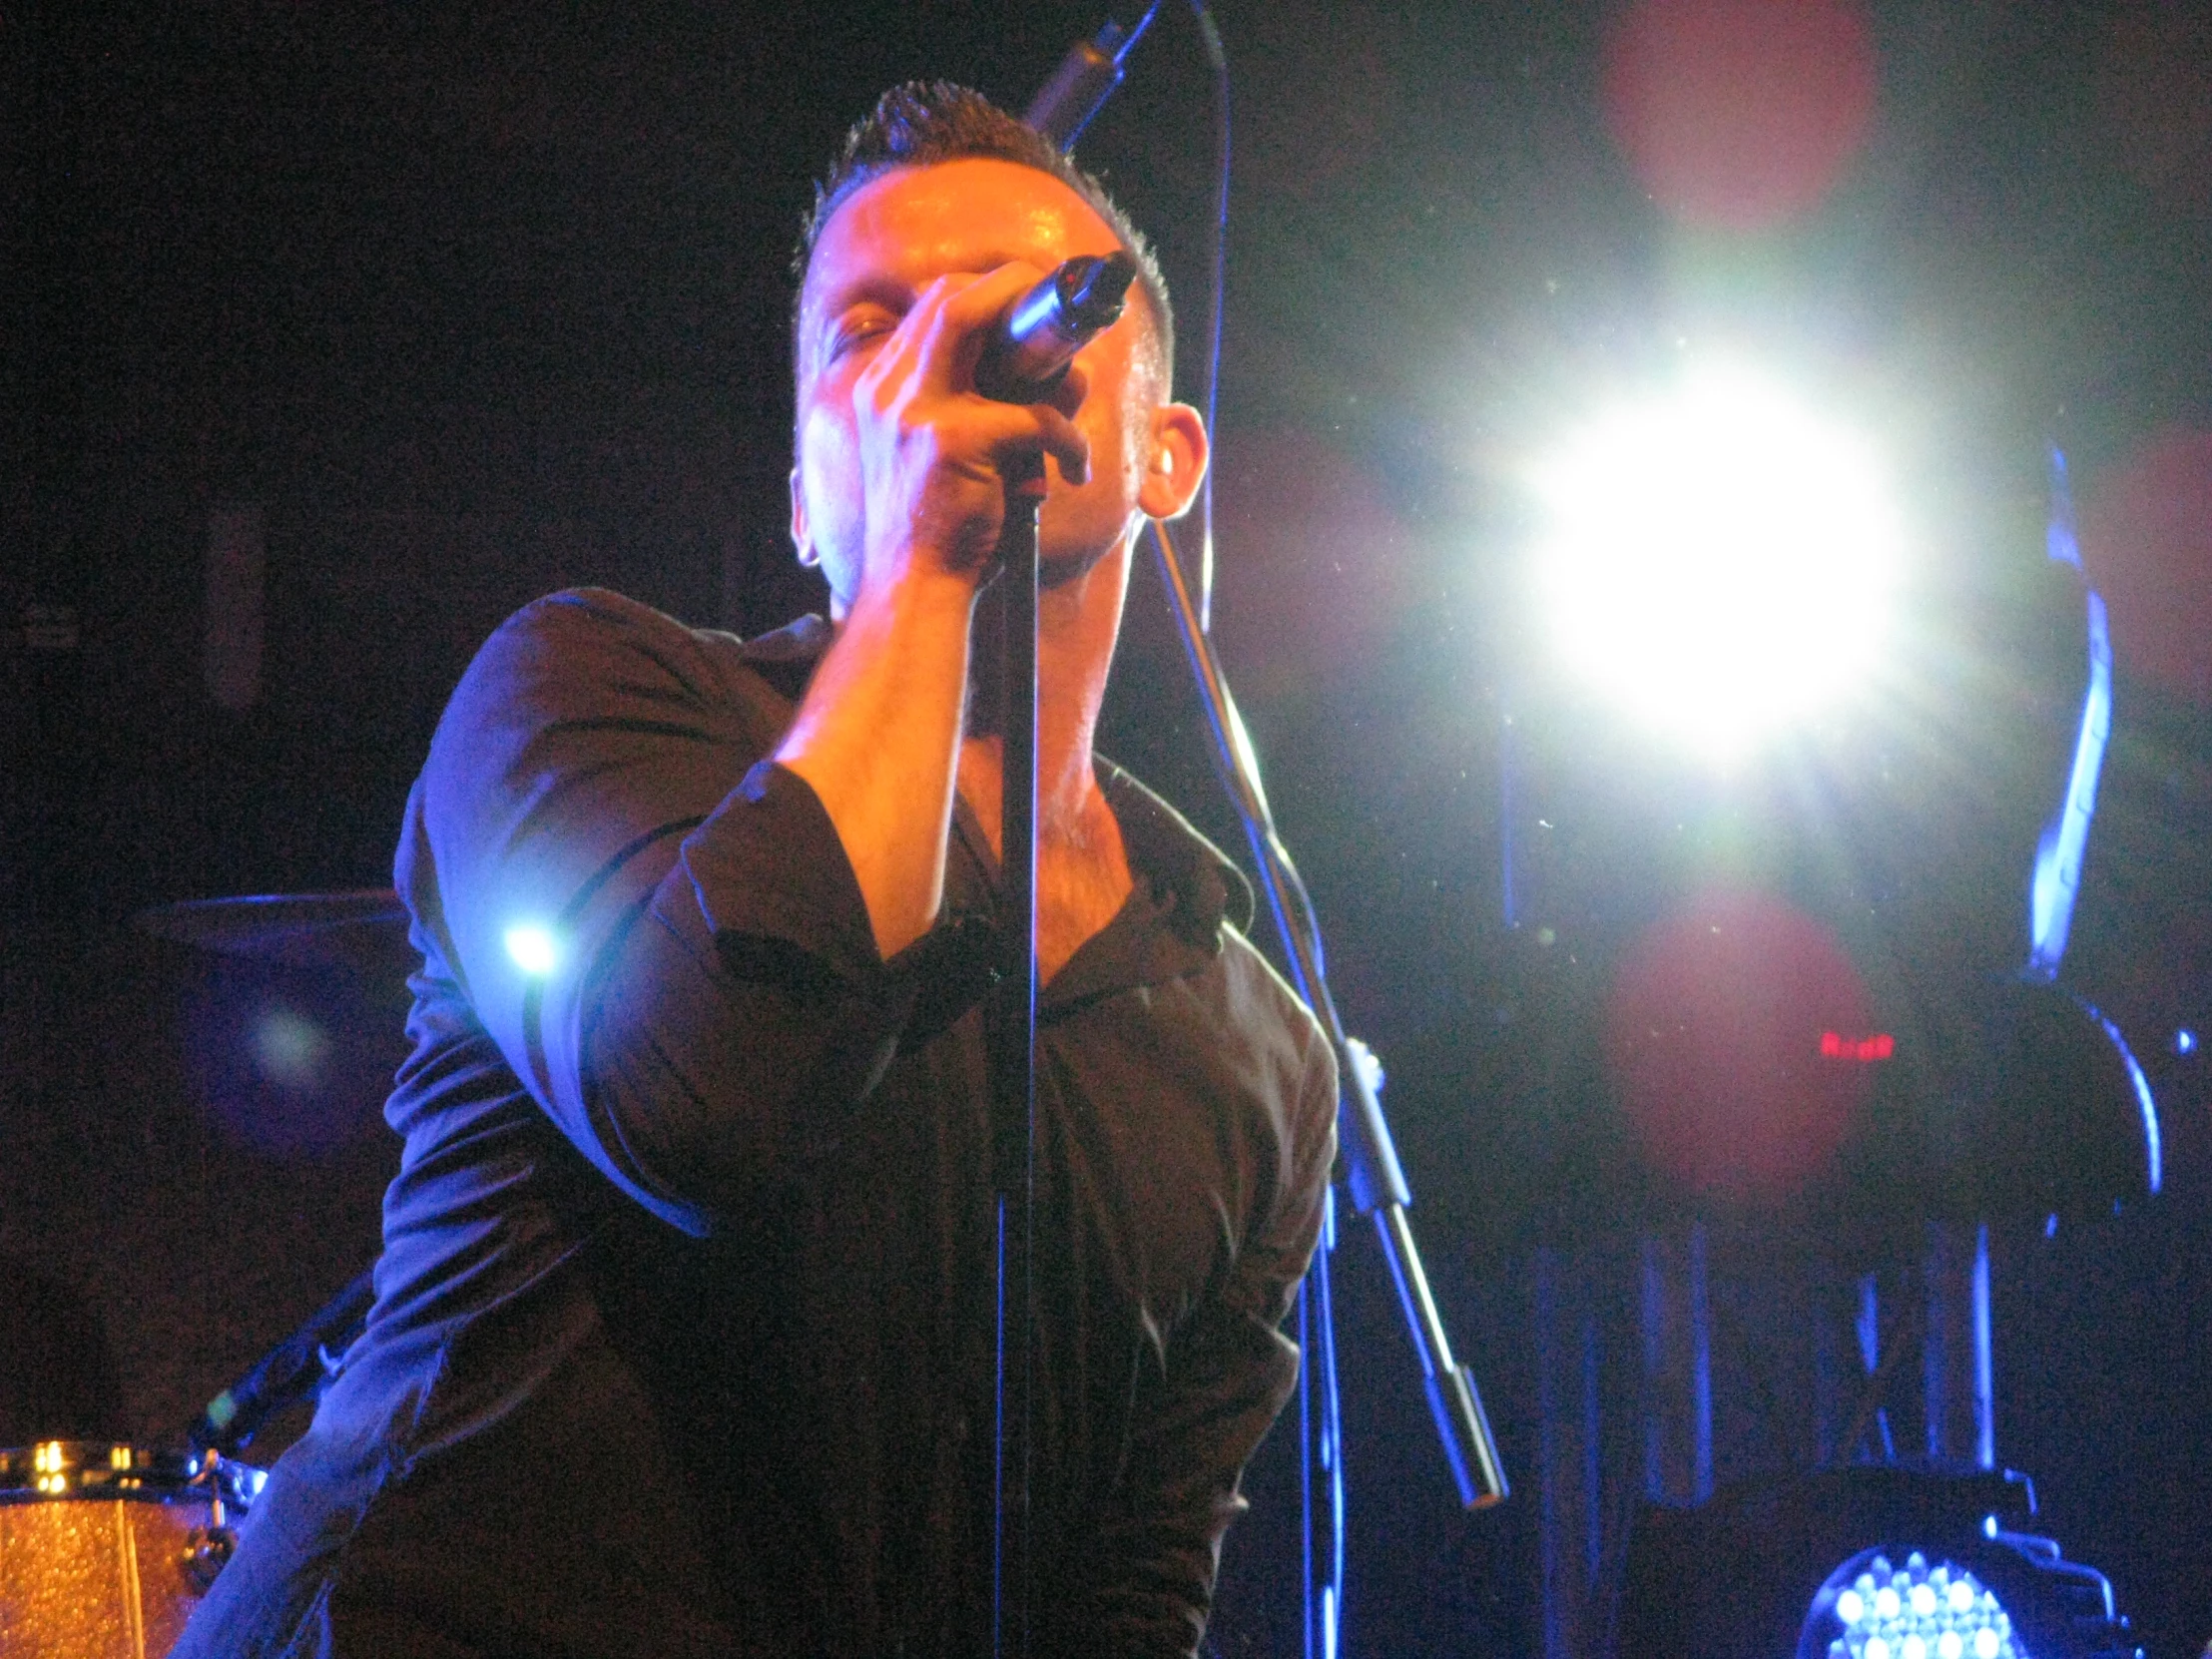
x=473 y=302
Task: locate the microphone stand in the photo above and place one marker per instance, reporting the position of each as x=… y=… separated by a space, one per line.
x=1377 y=1185
x=1012 y=1046
x=1063 y=107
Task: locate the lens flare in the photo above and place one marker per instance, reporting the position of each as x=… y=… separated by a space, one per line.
x=290 y=1049
x=1712 y=1038
x=1739 y=115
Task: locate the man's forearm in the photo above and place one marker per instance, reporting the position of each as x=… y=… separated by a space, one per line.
x=878 y=738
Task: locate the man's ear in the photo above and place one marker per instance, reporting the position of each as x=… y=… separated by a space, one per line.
x=800 y=542
x=1176 y=461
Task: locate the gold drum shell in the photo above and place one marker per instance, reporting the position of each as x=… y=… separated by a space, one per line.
x=94 y=1541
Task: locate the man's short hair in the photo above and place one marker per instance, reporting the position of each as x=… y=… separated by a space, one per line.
x=926 y=122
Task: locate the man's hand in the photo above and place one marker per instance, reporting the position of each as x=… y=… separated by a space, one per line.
x=894 y=426
x=936 y=458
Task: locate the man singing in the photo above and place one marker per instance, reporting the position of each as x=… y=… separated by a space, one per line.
x=683 y=1340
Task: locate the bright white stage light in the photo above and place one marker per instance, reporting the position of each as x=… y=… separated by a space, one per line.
x=1721 y=558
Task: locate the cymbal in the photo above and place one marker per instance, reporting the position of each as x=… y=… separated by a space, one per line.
x=364 y=928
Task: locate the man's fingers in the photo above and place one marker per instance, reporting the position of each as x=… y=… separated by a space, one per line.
x=1070 y=389
x=1015 y=439
x=938 y=343
x=902 y=354
x=936 y=454
x=1064 y=442
x=965 y=316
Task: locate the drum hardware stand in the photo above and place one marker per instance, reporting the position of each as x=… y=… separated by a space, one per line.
x=208 y=1549
x=297 y=1369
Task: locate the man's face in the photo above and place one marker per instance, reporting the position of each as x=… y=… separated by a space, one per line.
x=887 y=243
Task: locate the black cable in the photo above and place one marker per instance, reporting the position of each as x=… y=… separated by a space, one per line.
x=1063 y=107
x=1218 y=61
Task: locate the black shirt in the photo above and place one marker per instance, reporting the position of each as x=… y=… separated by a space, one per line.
x=685 y=1315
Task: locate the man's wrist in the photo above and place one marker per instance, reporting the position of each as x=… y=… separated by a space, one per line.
x=917 y=607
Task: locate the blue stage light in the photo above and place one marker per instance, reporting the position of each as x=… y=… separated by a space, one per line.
x=1872 y=1608
x=533 y=949
x=1932 y=1566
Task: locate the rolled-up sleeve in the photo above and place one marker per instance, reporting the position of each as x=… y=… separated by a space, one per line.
x=659 y=928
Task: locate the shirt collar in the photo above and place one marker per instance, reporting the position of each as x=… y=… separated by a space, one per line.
x=1183 y=888
x=785 y=658
x=1190 y=871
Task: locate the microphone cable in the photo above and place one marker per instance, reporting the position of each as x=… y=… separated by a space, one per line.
x=1063 y=107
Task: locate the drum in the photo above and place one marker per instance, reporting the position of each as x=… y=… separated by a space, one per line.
x=106 y=1550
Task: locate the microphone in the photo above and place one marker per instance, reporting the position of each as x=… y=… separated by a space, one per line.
x=1030 y=348
x=1081 y=85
